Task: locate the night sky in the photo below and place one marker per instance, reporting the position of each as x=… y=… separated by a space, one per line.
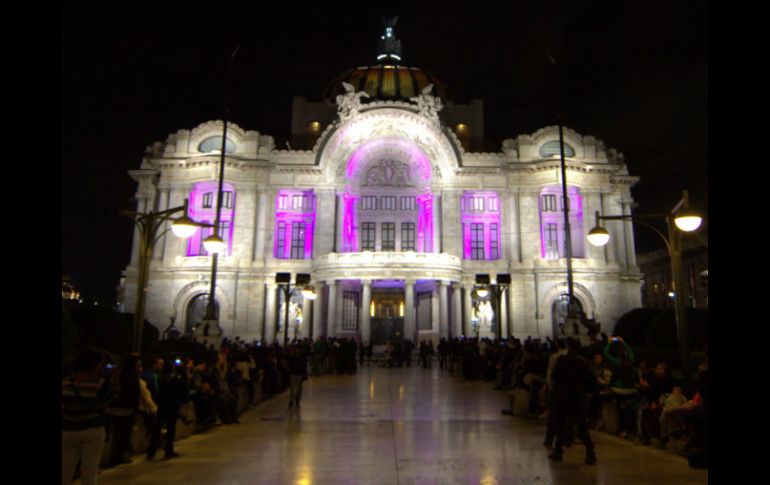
x=632 y=74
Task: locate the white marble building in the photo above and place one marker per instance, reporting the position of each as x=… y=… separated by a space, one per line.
x=392 y=217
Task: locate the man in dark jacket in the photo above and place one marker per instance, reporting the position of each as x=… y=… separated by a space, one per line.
x=571 y=376
x=172 y=393
x=297 y=365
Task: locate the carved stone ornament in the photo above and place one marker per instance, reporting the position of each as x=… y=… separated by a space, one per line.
x=389 y=173
x=349 y=103
x=429 y=105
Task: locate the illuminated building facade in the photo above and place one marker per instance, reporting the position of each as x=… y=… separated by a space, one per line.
x=384 y=202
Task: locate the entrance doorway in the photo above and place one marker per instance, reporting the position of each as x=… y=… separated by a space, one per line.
x=387 y=316
x=196 y=311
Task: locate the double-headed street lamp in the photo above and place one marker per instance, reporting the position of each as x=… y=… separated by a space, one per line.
x=484 y=285
x=683 y=219
x=302 y=281
x=148 y=225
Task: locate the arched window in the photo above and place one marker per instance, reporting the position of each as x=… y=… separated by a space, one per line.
x=196 y=311
x=551 y=149
x=559 y=313
x=215 y=143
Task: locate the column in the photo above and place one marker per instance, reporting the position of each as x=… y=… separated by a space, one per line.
x=339 y=211
x=270 y=307
x=468 y=313
x=529 y=226
x=325 y=224
x=160 y=249
x=304 y=330
x=366 y=321
x=457 y=313
x=175 y=246
x=261 y=224
x=512 y=228
x=331 y=320
x=435 y=315
x=318 y=317
x=436 y=229
x=628 y=231
x=409 y=320
x=504 y=313
x=591 y=204
x=244 y=217
x=443 y=309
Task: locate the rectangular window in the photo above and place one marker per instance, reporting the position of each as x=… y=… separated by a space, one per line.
x=388 y=236
x=388 y=202
x=493 y=203
x=296 y=202
x=207 y=198
x=549 y=203
x=407 y=236
x=280 y=240
x=493 y=242
x=368 y=203
x=407 y=203
x=368 y=236
x=477 y=204
x=283 y=201
x=298 y=240
x=350 y=310
x=551 y=234
x=477 y=241
x=227 y=200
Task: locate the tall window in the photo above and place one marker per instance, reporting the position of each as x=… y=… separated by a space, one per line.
x=368 y=236
x=480 y=223
x=298 y=240
x=553 y=237
x=549 y=203
x=408 y=203
x=477 y=241
x=551 y=241
x=388 y=236
x=368 y=203
x=407 y=236
x=294 y=223
x=388 y=202
x=350 y=310
x=494 y=250
x=203 y=209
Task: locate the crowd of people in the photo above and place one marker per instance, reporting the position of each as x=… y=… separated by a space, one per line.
x=571 y=385
x=568 y=383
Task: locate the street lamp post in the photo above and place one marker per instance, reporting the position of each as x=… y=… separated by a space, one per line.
x=214 y=244
x=502 y=282
x=148 y=225
x=683 y=219
x=302 y=280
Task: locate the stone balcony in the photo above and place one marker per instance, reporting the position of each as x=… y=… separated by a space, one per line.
x=387 y=265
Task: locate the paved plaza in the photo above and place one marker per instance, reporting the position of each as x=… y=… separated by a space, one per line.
x=396 y=427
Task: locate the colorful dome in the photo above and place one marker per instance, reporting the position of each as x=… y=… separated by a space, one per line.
x=387 y=82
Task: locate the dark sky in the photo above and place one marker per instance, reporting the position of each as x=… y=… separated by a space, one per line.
x=633 y=74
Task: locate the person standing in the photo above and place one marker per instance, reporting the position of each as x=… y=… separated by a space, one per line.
x=172 y=393
x=571 y=378
x=125 y=407
x=84 y=398
x=297 y=363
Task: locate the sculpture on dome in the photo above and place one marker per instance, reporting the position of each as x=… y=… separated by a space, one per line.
x=349 y=103
x=429 y=105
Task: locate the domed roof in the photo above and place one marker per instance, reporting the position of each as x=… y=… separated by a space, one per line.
x=387 y=82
